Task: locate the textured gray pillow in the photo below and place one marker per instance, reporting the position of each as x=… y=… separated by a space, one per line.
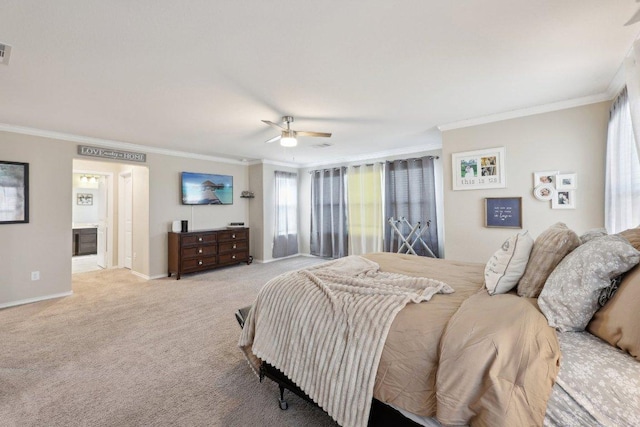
x=594 y=233
x=570 y=296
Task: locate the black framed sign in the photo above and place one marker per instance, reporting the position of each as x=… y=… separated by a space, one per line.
x=504 y=212
x=14 y=192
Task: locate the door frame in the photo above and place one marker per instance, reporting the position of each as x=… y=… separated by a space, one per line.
x=110 y=210
x=121 y=216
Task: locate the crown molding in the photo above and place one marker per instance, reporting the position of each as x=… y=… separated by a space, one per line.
x=514 y=114
x=379 y=154
x=113 y=144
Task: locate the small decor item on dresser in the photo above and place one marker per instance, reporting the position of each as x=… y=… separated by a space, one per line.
x=247 y=195
x=175 y=226
x=184 y=226
x=236 y=225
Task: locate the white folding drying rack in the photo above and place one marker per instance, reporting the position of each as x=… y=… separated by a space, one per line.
x=413 y=237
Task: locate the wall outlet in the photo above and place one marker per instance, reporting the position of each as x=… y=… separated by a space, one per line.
x=35 y=275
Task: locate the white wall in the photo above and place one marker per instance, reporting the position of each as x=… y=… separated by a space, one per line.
x=572 y=140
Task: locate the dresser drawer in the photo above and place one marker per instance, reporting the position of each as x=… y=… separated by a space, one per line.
x=199 y=263
x=198 y=238
x=241 y=245
x=199 y=251
x=230 y=235
x=233 y=257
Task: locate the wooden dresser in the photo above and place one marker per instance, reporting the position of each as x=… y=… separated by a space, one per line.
x=195 y=251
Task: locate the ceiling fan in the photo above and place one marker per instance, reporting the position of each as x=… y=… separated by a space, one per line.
x=288 y=136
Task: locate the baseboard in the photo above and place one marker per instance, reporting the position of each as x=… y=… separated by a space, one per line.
x=146 y=277
x=37 y=299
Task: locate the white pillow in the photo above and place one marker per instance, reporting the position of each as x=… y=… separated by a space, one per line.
x=507 y=265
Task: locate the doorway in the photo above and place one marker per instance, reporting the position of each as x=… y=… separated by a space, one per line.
x=102 y=220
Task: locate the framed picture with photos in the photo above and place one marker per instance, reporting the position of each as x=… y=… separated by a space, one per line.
x=480 y=169
x=564 y=199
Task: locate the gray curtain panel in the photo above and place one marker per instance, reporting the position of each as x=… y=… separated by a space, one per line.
x=285 y=239
x=410 y=193
x=329 y=230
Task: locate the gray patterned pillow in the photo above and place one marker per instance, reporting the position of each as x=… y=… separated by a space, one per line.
x=594 y=233
x=570 y=296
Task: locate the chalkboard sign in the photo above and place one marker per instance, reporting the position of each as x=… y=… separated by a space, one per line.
x=503 y=212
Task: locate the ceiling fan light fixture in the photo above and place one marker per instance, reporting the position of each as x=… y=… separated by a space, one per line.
x=288 y=141
x=288 y=138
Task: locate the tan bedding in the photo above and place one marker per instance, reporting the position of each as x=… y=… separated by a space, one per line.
x=466 y=357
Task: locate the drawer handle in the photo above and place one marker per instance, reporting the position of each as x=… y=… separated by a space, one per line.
x=233 y=236
x=199 y=262
x=233 y=257
x=199 y=239
x=234 y=246
x=199 y=250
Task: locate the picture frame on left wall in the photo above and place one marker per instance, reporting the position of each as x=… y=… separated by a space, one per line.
x=14 y=192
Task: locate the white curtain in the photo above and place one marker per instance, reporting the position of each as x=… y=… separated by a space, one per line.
x=285 y=239
x=622 y=184
x=632 y=77
x=364 y=195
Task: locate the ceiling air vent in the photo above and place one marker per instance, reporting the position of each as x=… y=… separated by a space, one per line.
x=5 y=53
x=323 y=145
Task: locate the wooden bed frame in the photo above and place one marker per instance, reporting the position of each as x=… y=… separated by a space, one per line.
x=381 y=415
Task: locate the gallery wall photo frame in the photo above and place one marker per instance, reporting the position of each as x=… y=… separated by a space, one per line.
x=503 y=212
x=14 y=192
x=84 y=199
x=479 y=169
x=567 y=181
x=544 y=177
x=564 y=199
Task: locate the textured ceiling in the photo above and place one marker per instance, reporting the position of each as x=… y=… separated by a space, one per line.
x=199 y=76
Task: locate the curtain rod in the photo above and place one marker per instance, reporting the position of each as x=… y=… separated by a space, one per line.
x=381 y=163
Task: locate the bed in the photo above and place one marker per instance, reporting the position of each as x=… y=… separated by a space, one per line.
x=465 y=357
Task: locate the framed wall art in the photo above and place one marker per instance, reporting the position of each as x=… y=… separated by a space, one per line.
x=14 y=192
x=503 y=212
x=84 y=199
x=473 y=170
x=544 y=177
x=564 y=199
x=566 y=181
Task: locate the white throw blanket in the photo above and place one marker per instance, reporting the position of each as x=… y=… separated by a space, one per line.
x=324 y=327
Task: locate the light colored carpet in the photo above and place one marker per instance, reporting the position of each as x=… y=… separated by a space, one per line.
x=122 y=351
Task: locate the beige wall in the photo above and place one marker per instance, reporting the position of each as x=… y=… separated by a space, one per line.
x=256 y=219
x=44 y=244
x=572 y=140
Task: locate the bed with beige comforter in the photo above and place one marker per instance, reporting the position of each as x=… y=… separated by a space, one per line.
x=463 y=357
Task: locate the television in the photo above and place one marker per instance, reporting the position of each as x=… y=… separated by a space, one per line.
x=206 y=189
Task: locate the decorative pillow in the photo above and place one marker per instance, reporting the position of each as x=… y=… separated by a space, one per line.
x=594 y=233
x=633 y=236
x=548 y=250
x=507 y=265
x=617 y=322
x=570 y=296
x=607 y=293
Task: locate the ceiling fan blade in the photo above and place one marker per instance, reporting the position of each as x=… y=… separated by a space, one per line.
x=274 y=139
x=635 y=18
x=273 y=125
x=306 y=133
